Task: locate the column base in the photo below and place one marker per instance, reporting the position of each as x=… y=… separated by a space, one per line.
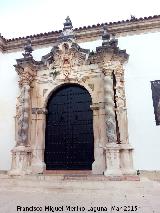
x=129 y=172
x=113 y=172
x=126 y=161
x=98 y=166
x=21 y=159
x=112 y=160
x=38 y=167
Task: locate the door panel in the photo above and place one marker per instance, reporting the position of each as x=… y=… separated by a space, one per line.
x=69 y=130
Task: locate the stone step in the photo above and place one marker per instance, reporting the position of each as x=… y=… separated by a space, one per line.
x=65 y=182
x=78 y=177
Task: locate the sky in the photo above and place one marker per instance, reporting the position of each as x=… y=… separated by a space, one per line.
x=29 y=17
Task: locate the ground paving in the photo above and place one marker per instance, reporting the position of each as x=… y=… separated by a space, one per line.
x=58 y=195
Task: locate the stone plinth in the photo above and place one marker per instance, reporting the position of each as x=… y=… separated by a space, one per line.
x=112 y=160
x=21 y=158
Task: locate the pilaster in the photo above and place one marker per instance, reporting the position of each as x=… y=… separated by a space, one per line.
x=38 y=145
x=99 y=164
x=121 y=110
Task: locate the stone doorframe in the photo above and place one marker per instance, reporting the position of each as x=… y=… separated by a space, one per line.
x=101 y=73
x=38 y=131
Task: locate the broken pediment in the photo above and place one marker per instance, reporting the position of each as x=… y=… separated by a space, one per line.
x=67 y=59
x=66 y=55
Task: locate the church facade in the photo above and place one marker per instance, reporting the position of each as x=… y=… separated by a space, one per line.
x=75 y=107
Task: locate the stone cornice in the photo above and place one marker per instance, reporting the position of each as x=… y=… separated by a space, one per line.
x=83 y=34
x=2 y=43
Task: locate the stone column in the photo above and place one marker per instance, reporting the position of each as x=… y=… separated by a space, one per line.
x=21 y=153
x=38 y=118
x=112 y=148
x=98 y=165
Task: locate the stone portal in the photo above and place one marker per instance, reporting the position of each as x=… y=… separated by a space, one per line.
x=100 y=73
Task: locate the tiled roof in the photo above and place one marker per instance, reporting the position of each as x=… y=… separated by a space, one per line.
x=87 y=27
x=132 y=26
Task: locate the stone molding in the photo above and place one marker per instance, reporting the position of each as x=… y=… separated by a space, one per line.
x=39 y=111
x=85 y=34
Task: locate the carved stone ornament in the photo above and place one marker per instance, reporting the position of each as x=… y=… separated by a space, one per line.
x=101 y=73
x=28 y=49
x=39 y=111
x=108 y=51
x=66 y=54
x=26 y=70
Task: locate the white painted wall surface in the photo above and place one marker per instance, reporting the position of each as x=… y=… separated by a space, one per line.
x=8 y=93
x=143 y=67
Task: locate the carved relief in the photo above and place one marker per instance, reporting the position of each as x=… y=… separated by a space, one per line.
x=91 y=86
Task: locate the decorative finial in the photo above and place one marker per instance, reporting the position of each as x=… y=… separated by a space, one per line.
x=133 y=17
x=113 y=42
x=28 y=49
x=67 y=24
x=106 y=35
x=67 y=33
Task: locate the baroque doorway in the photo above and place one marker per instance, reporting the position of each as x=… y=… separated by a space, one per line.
x=69 y=141
x=61 y=137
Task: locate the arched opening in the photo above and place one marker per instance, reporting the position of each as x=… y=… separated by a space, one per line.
x=69 y=141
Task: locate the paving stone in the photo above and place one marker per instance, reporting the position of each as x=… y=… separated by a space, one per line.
x=117 y=196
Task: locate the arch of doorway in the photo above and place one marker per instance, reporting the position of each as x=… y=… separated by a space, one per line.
x=69 y=142
x=99 y=132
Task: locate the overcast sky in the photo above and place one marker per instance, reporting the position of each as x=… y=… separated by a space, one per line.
x=26 y=17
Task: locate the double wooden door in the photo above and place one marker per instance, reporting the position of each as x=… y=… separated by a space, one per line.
x=69 y=142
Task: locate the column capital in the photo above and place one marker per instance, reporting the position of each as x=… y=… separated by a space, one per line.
x=26 y=73
x=113 y=66
x=39 y=111
x=119 y=71
x=107 y=72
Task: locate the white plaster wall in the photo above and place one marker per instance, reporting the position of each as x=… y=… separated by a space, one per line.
x=143 y=67
x=8 y=93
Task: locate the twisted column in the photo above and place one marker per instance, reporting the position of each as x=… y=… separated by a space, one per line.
x=21 y=153
x=23 y=115
x=109 y=107
x=112 y=148
x=23 y=110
